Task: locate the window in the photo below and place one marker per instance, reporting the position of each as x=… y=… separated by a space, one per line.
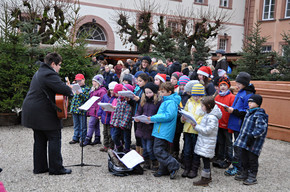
x=91 y=31
x=224 y=3
x=267 y=48
x=268 y=9
x=173 y=25
x=199 y=1
x=287 y=10
x=223 y=44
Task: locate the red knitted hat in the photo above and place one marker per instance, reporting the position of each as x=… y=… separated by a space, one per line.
x=206 y=71
x=117 y=88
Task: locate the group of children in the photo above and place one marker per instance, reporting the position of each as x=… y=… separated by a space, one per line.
x=158 y=140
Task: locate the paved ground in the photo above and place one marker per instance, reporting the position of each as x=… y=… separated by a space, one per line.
x=16 y=160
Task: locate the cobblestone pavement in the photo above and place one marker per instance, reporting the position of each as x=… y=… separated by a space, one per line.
x=16 y=144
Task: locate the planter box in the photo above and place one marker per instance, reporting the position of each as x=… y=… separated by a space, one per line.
x=276 y=102
x=8 y=119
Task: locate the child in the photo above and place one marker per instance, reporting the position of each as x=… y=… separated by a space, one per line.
x=106 y=118
x=174 y=80
x=79 y=116
x=224 y=141
x=122 y=120
x=148 y=106
x=237 y=113
x=142 y=79
x=204 y=74
x=94 y=124
x=251 y=140
x=193 y=105
x=163 y=130
x=207 y=135
x=179 y=125
x=159 y=79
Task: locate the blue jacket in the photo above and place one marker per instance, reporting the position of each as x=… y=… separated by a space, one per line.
x=165 y=119
x=105 y=115
x=240 y=106
x=256 y=124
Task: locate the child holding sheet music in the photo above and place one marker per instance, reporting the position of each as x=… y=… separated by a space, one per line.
x=79 y=116
x=193 y=105
x=106 y=117
x=122 y=118
x=148 y=106
x=94 y=125
x=224 y=140
x=207 y=135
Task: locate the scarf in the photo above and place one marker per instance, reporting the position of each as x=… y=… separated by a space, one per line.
x=224 y=93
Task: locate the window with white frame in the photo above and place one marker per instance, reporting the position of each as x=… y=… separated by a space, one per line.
x=173 y=25
x=91 y=31
x=266 y=48
x=223 y=44
x=199 y=1
x=224 y=3
x=268 y=9
x=287 y=10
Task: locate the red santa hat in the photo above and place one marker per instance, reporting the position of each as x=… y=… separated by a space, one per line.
x=161 y=77
x=206 y=71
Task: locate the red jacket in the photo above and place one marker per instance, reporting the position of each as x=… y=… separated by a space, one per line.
x=228 y=100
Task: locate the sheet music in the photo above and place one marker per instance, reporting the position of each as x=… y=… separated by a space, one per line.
x=106 y=106
x=131 y=159
x=76 y=87
x=89 y=103
x=221 y=104
x=143 y=119
x=188 y=116
x=128 y=94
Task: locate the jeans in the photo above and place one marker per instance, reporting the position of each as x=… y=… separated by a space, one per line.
x=237 y=153
x=225 y=145
x=189 y=145
x=117 y=137
x=108 y=142
x=167 y=162
x=41 y=139
x=80 y=127
x=250 y=161
x=147 y=146
x=94 y=127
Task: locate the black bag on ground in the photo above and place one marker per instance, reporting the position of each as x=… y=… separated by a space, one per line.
x=117 y=168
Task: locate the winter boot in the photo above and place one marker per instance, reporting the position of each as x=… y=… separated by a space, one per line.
x=251 y=180
x=187 y=167
x=242 y=176
x=155 y=165
x=96 y=141
x=87 y=141
x=147 y=164
x=231 y=171
x=205 y=179
x=193 y=172
x=138 y=148
x=120 y=148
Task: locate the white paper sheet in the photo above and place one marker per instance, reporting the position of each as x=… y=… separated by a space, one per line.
x=89 y=103
x=188 y=116
x=128 y=94
x=131 y=159
x=221 y=104
x=143 y=119
x=106 y=106
x=76 y=87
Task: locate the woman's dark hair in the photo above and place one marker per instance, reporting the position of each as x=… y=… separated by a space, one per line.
x=144 y=76
x=208 y=102
x=52 y=57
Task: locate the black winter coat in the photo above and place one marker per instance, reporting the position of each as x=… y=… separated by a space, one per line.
x=222 y=64
x=38 y=112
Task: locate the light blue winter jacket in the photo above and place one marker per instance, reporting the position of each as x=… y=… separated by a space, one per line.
x=165 y=119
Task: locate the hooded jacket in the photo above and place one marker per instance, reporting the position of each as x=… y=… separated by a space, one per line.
x=207 y=133
x=240 y=106
x=165 y=119
x=256 y=124
x=100 y=92
x=106 y=115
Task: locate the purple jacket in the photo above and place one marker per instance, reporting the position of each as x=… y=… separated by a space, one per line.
x=105 y=115
x=100 y=92
x=145 y=130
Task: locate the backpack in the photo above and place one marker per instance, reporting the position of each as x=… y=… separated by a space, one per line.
x=117 y=168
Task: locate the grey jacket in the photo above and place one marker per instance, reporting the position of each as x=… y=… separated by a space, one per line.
x=207 y=133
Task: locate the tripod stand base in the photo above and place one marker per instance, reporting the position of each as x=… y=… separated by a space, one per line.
x=83 y=165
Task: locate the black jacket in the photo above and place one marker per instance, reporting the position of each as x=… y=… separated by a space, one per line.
x=222 y=64
x=38 y=112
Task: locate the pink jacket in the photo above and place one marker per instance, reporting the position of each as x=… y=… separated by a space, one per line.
x=100 y=92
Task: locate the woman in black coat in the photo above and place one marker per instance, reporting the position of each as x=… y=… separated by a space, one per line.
x=39 y=113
